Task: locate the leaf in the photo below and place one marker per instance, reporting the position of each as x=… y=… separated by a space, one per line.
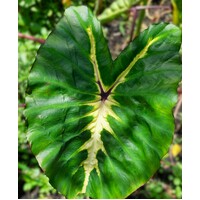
x=66 y=3
x=100 y=127
x=116 y=9
x=177 y=11
x=176 y=149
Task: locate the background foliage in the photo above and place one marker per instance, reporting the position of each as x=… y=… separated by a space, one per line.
x=37 y=18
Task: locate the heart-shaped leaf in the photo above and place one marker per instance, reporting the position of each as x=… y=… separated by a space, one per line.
x=97 y=126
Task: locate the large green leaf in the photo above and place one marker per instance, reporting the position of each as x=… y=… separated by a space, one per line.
x=116 y=9
x=97 y=126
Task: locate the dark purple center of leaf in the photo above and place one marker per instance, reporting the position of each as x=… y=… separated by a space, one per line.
x=104 y=95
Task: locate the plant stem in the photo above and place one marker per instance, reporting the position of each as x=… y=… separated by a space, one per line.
x=175 y=13
x=29 y=37
x=133 y=14
x=23 y=105
x=142 y=9
x=178 y=106
x=140 y=19
x=97 y=7
x=152 y=7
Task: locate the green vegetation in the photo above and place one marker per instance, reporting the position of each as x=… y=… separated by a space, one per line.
x=166 y=183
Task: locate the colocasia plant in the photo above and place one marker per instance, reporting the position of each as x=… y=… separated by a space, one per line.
x=99 y=127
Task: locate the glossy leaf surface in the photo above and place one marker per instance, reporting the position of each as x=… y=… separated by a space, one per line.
x=100 y=127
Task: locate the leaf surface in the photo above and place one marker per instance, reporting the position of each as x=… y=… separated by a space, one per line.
x=100 y=127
